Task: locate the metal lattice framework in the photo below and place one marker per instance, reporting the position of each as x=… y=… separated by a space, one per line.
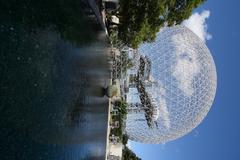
x=185 y=85
x=120 y=62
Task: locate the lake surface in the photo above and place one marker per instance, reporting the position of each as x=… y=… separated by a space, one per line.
x=53 y=69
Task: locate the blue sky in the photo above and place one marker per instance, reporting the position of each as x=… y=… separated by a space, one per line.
x=218 y=137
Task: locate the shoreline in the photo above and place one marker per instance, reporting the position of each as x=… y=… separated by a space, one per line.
x=109 y=114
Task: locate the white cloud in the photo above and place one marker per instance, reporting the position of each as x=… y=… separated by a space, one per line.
x=186 y=66
x=197 y=23
x=164 y=114
x=129 y=144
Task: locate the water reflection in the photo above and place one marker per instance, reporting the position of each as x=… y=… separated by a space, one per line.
x=53 y=69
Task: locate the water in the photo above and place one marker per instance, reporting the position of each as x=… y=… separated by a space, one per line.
x=53 y=67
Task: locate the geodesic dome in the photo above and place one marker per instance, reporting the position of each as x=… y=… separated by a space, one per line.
x=185 y=85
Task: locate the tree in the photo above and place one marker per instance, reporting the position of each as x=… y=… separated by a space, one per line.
x=122 y=107
x=140 y=20
x=125 y=139
x=129 y=155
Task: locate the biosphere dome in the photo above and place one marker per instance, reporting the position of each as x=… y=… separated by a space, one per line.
x=181 y=85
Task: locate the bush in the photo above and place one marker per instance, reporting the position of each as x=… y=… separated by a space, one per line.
x=127 y=154
x=124 y=139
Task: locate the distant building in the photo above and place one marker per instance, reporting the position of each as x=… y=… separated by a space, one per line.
x=174 y=88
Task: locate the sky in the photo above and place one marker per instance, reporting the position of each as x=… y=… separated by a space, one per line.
x=218 y=136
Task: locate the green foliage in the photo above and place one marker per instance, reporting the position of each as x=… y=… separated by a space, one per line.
x=117 y=132
x=126 y=62
x=124 y=139
x=129 y=155
x=122 y=105
x=113 y=36
x=142 y=19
